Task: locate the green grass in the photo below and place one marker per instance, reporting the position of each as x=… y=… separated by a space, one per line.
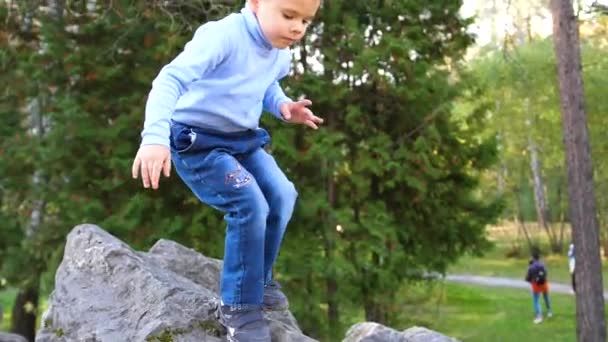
x=473 y=313
x=7 y=297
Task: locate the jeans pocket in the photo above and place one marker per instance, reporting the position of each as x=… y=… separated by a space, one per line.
x=263 y=137
x=184 y=140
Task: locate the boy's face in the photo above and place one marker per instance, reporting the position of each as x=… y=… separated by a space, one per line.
x=284 y=22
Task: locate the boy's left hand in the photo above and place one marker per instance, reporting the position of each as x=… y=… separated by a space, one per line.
x=298 y=112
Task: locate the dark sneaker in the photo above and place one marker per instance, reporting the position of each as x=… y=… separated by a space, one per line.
x=274 y=298
x=244 y=326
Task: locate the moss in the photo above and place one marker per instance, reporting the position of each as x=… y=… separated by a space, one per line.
x=48 y=324
x=210 y=327
x=166 y=336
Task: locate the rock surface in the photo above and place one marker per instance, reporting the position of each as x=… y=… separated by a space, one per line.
x=5 y=337
x=374 y=332
x=107 y=292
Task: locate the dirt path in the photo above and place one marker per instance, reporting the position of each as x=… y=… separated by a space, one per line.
x=507 y=282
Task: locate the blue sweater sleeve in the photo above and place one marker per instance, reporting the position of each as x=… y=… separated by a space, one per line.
x=275 y=96
x=205 y=51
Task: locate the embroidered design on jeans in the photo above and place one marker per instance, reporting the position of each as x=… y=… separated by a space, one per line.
x=238 y=178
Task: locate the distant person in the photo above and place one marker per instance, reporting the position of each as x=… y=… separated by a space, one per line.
x=537 y=277
x=571 y=265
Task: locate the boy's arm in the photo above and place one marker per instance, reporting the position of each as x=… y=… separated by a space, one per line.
x=274 y=95
x=207 y=49
x=273 y=98
x=281 y=106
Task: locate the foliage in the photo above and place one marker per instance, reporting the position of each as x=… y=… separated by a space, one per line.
x=390 y=182
x=522 y=87
x=388 y=189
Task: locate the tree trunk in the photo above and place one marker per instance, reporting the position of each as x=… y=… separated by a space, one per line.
x=26 y=304
x=333 y=315
x=540 y=200
x=24 y=314
x=374 y=301
x=329 y=231
x=375 y=312
x=331 y=283
x=591 y=324
x=312 y=305
x=375 y=309
x=501 y=179
x=520 y=220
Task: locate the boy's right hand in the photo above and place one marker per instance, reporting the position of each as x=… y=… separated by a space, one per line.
x=150 y=160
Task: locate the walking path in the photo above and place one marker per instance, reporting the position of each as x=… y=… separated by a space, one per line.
x=507 y=282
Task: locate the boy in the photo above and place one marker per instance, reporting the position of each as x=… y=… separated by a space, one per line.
x=537 y=277
x=203 y=111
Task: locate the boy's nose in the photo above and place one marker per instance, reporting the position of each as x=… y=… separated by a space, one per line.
x=297 y=28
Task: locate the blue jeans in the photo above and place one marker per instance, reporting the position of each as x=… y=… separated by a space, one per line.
x=536 y=300
x=234 y=174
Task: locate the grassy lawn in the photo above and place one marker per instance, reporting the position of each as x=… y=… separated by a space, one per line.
x=7 y=297
x=472 y=313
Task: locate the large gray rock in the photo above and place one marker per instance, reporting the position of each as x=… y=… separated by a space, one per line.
x=107 y=292
x=5 y=337
x=374 y=332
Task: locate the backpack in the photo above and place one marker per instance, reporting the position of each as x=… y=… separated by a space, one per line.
x=539 y=275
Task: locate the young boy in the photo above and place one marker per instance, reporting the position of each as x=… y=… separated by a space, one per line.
x=537 y=277
x=203 y=113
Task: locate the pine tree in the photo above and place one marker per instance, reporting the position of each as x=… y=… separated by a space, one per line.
x=388 y=186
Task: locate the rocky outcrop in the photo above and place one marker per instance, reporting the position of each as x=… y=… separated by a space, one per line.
x=107 y=292
x=374 y=332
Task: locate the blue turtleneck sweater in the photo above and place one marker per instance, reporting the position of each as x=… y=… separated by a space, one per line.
x=222 y=80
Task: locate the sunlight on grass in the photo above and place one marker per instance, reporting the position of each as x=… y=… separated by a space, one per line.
x=508 y=231
x=473 y=313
